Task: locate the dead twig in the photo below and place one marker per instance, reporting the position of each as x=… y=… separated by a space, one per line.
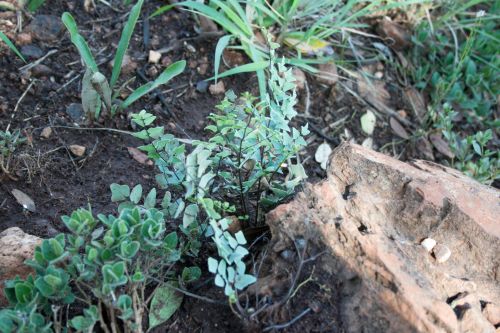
x=19 y=103
x=37 y=62
x=290 y=323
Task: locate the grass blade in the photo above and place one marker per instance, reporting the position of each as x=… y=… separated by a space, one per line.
x=251 y=67
x=239 y=21
x=170 y=72
x=221 y=45
x=33 y=5
x=11 y=46
x=214 y=15
x=79 y=41
x=162 y=10
x=124 y=41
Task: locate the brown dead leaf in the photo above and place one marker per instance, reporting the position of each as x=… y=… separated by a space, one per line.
x=207 y=25
x=139 y=156
x=441 y=145
x=374 y=92
x=424 y=147
x=233 y=58
x=395 y=33
x=24 y=200
x=235 y=225
x=415 y=99
x=398 y=129
x=327 y=73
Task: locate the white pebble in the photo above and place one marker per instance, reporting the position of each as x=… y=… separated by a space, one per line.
x=154 y=57
x=442 y=253
x=428 y=244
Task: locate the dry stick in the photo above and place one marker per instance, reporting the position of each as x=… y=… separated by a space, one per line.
x=65 y=146
x=37 y=62
x=319 y=132
x=101 y=318
x=291 y=322
x=308 y=100
x=19 y=102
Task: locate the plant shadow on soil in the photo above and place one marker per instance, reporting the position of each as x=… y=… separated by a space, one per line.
x=59 y=182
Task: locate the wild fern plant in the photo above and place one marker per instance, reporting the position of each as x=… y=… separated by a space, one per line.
x=250 y=160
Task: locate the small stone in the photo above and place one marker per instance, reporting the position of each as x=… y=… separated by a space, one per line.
x=15 y=247
x=24 y=38
x=202 y=68
x=46 y=27
x=288 y=255
x=379 y=75
x=202 y=86
x=31 y=52
x=442 y=253
x=77 y=150
x=46 y=133
x=75 y=112
x=128 y=65
x=153 y=72
x=217 y=89
x=154 y=57
x=192 y=64
x=41 y=70
x=300 y=78
x=428 y=244
x=166 y=61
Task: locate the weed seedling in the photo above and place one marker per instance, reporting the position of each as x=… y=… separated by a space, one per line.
x=8 y=145
x=11 y=45
x=98 y=92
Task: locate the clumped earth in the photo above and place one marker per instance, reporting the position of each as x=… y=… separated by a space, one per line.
x=59 y=181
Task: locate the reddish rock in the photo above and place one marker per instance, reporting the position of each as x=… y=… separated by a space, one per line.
x=15 y=247
x=371 y=214
x=217 y=88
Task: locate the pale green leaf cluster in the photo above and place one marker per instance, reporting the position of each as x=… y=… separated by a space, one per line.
x=471 y=153
x=9 y=142
x=103 y=262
